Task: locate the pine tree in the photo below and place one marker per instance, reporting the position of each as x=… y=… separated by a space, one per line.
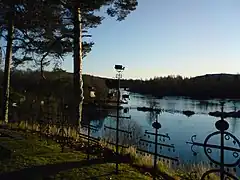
x=53 y=29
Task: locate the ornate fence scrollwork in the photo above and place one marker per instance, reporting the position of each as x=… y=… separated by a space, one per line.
x=221 y=167
x=156 y=144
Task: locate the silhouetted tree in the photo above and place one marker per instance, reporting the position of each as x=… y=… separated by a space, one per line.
x=10 y=25
x=81 y=16
x=59 y=35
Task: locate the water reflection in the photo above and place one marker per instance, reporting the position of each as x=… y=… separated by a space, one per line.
x=179 y=127
x=233 y=121
x=171 y=105
x=152 y=103
x=234 y=124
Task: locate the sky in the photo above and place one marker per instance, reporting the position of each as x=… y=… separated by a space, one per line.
x=168 y=37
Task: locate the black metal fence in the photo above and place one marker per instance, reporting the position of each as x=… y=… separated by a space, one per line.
x=220 y=166
x=151 y=143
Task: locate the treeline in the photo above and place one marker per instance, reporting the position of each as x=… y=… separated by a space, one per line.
x=200 y=87
x=58 y=84
x=43 y=33
x=28 y=89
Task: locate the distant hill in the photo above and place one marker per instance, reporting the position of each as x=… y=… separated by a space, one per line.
x=217 y=76
x=199 y=87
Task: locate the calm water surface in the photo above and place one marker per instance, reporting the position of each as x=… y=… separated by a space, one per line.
x=179 y=127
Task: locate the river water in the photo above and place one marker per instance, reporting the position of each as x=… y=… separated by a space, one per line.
x=179 y=127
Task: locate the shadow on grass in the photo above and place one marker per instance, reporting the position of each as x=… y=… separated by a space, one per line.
x=103 y=175
x=38 y=172
x=45 y=171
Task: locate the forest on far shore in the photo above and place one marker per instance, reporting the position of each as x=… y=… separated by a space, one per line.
x=223 y=86
x=58 y=84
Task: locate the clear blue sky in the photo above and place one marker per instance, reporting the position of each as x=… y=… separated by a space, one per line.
x=168 y=37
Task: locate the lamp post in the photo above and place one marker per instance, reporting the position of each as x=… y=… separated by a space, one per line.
x=119 y=69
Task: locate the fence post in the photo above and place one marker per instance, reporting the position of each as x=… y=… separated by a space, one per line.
x=222 y=126
x=156 y=125
x=119 y=69
x=222 y=129
x=117 y=125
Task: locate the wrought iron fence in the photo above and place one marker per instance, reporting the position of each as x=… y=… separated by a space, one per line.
x=117 y=139
x=157 y=154
x=90 y=128
x=46 y=117
x=157 y=141
x=222 y=167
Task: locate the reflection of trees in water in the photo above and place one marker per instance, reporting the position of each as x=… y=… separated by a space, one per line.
x=134 y=128
x=234 y=106
x=124 y=138
x=95 y=116
x=234 y=124
x=171 y=105
x=234 y=120
x=202 y=106
x=101 y=119
x=207 y=106
x=152 y=103
x=150 y=117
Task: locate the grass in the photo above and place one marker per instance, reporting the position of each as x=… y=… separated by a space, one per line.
x=176 y=172
x=40 y=159
x=33 y=152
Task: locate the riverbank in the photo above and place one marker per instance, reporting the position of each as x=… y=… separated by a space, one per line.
x=34 y=155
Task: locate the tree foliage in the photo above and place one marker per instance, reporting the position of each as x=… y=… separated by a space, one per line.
x=53 y=29
x=45 y=29
x=58 y=84
x=200 y=87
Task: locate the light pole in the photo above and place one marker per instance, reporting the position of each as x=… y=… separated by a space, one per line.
x=119 y=69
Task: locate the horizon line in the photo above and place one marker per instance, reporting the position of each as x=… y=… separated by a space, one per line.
x=140 y=78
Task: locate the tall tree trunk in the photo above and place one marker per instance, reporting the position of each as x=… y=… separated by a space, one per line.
x=77 y=79
x=8 y=60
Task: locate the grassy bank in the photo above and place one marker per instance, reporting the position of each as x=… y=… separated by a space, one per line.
x=45 y=154
x=32 y=158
